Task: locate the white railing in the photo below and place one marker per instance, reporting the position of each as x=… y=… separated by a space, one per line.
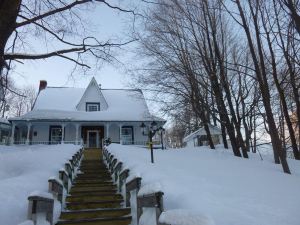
x=144 y=143
x=46 y=142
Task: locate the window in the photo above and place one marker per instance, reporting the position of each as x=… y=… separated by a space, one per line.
x=127 y=135
x=55 y=134
x=92 y=106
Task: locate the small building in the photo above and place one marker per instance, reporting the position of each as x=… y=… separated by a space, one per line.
x=5 y=128
x=84 y=116
x=199 y=137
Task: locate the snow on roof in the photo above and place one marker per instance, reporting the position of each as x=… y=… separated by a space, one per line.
x=201 y=131
x=60 y=104
x=3 y=120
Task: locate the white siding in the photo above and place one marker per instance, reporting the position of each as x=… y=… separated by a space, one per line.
x=138 y=136
x=70 y=133
x=92 y=94
x=114 y=133
x=42 y=132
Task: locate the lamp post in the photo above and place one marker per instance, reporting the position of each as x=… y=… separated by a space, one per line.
x=153 y=129
x=162 y=130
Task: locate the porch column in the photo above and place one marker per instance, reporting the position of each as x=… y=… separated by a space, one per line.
x=28 y=133
x=107 y=130
x=63 y=133
x=120 y=132
x=12 y=138
x=77 y=133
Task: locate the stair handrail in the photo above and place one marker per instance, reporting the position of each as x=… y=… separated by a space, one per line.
x=152 y=200
x=116 y=171
x=43 y=202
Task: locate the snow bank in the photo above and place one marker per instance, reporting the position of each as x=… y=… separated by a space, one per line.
x=184 y=217
x=23 y=170
x=213 y=186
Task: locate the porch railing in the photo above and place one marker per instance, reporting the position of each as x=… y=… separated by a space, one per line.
x=46 y=142
x=139 y=142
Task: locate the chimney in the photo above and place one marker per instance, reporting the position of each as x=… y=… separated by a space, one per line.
x=43 y=85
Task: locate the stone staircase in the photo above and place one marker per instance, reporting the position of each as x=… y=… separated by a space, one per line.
x=93 y=198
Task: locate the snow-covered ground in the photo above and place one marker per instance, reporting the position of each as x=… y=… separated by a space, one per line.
x=203 y=186
x=24 y=169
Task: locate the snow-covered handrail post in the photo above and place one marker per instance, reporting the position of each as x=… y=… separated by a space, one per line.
x=134 y=187
x=41 y=205
x=65 y=179
x=72 y=163
x=110 y=159
x=116 y=171
x=154 y=200
x=74 y=158
x=112 y=165
x=105 y=153
x=56 y=188
x=69 y=170
x=122 y=178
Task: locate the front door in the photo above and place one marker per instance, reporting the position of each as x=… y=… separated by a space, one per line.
x=93 y=139
x=127 y=135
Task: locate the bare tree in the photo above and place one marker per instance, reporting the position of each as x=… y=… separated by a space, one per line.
x=59 y=22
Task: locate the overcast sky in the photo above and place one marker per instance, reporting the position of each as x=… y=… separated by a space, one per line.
x=105 y=23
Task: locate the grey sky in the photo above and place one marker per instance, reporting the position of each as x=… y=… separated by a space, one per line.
x=106 y=24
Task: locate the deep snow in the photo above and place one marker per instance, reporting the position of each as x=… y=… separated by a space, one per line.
x=206 y=186
x=26 y=169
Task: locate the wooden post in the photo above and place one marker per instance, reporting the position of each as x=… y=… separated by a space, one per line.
x=112 y=165
x=154 y=200
x=122 y=178
x=65 y=179
x=116 y=171
x=41 y=205
x=68 y=168
x=72 y=164
x=75 y=160
x=134 y=184
x=56 y=188
x=110 y=159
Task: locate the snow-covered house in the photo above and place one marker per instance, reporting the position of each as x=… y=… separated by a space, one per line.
x=4 y=130
x=199 y=137
x=88 y=115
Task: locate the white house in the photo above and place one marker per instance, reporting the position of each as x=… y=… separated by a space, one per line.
x=199 y=137
x=4 y=130
x=88 y=115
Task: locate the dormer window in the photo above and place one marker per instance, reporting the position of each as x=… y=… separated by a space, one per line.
x=92 y=106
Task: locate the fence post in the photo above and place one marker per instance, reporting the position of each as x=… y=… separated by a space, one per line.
x=112 y=165
x=41 y=205
x=56 y=188
x=154 y=200
x=65 y=179
x=122 y=178
x=116 y=170
x=133 y=185
x=68 y=168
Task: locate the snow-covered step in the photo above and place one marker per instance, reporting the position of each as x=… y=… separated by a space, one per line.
x=98 y=213
x=93 y=198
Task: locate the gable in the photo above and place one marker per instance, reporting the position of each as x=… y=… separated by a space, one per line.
x=92 y=94
x=57 y=103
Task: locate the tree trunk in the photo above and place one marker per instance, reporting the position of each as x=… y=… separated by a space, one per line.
x=8 y=15
x=259 y=65
x=223 y=129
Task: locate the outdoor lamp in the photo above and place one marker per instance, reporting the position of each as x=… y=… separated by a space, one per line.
x=153 y=126
x=143 y=128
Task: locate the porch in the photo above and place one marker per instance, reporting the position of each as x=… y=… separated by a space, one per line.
x=88 y=134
